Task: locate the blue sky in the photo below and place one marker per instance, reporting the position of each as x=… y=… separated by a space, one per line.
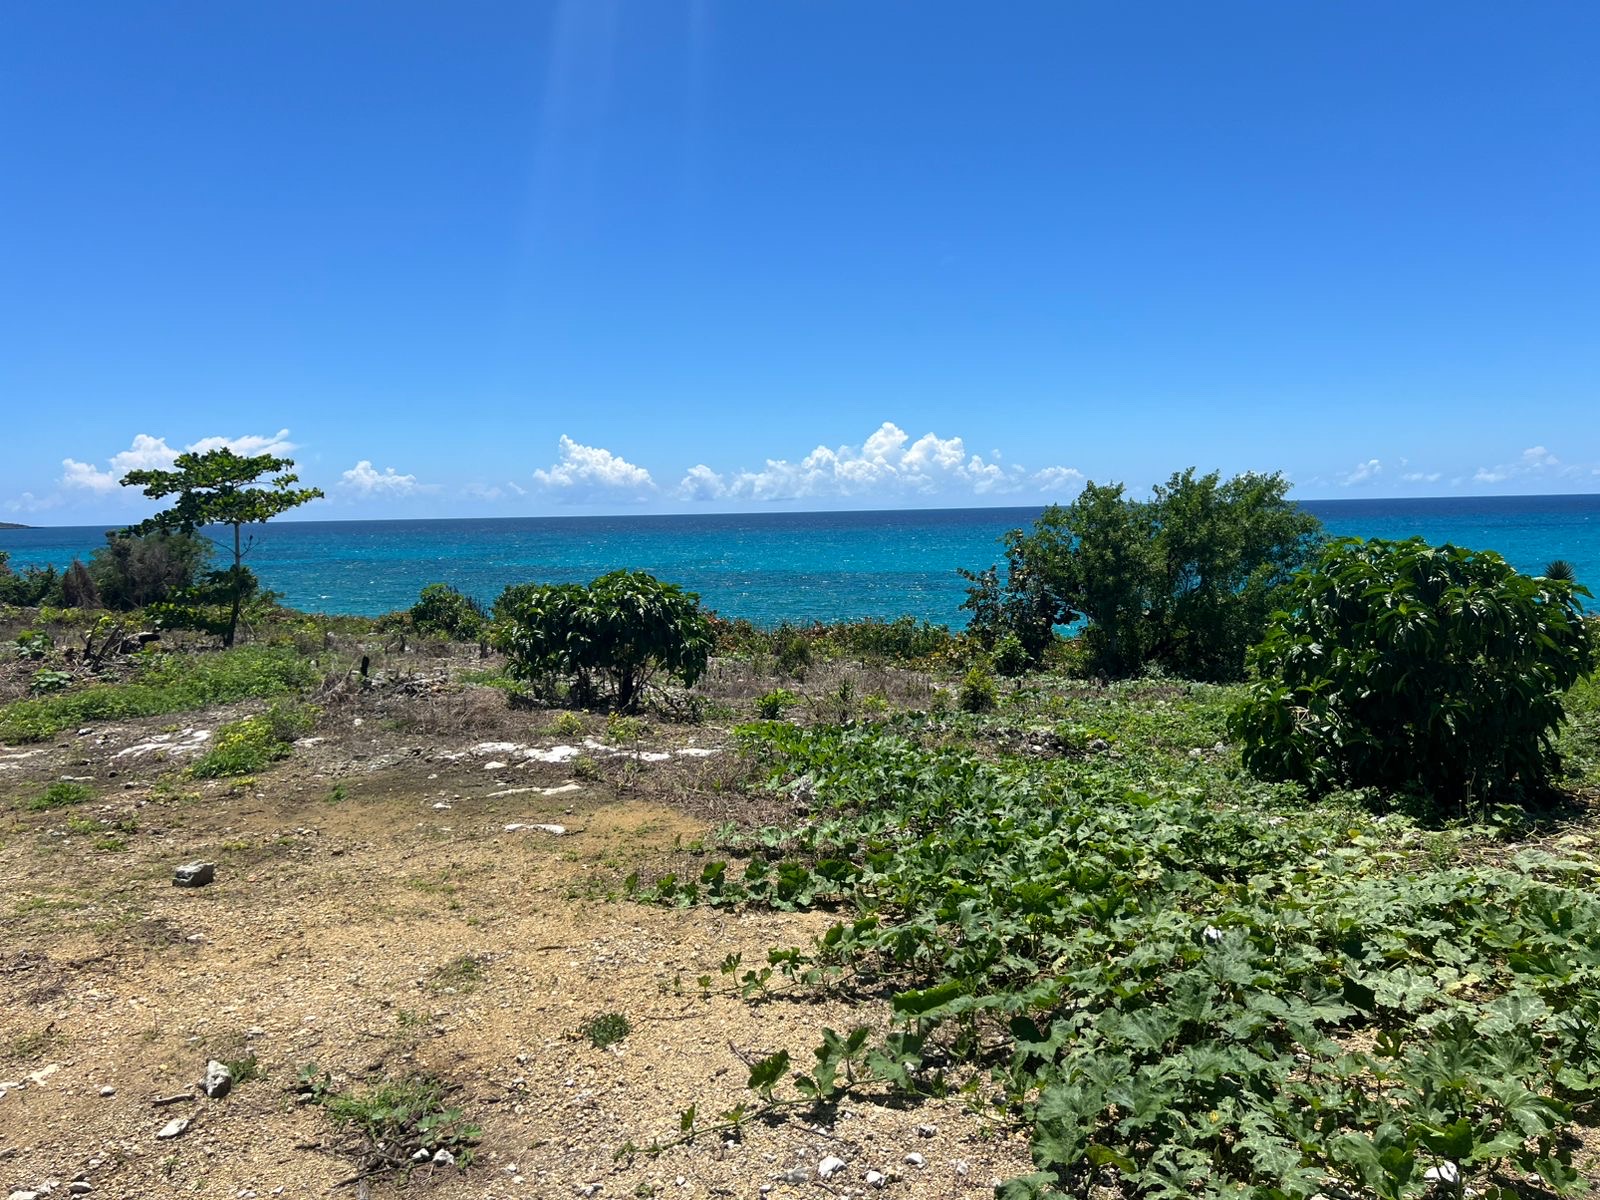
x=667 y=255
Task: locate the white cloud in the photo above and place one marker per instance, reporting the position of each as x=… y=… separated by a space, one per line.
x=87 y=476
x=1421 y=476
x=887 y=462
x=366 y=480
x=1533 y=463
x=1370 y=469
x=278 y=444
x=590 y=469
x=153 y=453
x=28 y=502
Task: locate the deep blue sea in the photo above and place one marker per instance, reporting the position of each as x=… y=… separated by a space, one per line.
x=771 y=567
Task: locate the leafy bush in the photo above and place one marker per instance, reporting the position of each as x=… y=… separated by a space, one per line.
x=168 y=683
x=1184 y=581
x=772 y=705
x=442 y=611
x=33 y=587
x=619 y=631
x=1011 y=659
x=977 y=694
x=1403 y=666
x=792 y=650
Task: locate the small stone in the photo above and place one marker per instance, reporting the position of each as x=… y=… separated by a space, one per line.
x=219 y=1079
x=1098 y=745
x=796 y=1176
x=916 y=1160
x=1212 y=934
x=1196 y=752
x=876 y=1179
x=196 y=874
x=961 y=1167
x=80 y=1187
x=927 y=1131
x=108 y=1091
x=443 y=1158
x=24 y=1196
x=422 y=1156
x=829 y=1167
x=173 y=1128
x=1446 y=1172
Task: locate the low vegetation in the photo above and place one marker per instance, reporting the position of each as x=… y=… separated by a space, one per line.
x=164 y=684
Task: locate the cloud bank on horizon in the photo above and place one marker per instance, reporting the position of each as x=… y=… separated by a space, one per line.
x=887 y=468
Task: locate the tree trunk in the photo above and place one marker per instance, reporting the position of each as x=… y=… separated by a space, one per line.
x=238 y=592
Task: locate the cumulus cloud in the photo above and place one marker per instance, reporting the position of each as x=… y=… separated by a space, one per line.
x=1534 y=462
x=588 y=469
x=366 y=480
x=152 y=453
x=887 y=462
x=1421 y=476
x=1363 y=472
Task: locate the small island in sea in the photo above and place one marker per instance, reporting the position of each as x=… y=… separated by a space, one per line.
x=13 y=525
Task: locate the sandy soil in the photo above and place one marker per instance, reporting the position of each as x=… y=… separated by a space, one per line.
x=372 y=914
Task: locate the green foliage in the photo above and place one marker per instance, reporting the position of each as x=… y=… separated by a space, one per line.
x=250 y=745
x=45 y=682
x=1560 y=569
x=567 y=724
x=772 y=705
x=31 y=588
x=606 y=640
x=977 y=693
x=1177 y=990
x=792 y=652
x=1404 y=666
x=1010 y=657
x=59 y=795
x=214 y=489
x=1184 y=581
x=165 y=683
x=34 y=644
x=606 y=1029
x=396 y=1120
x=442 y=611
x=134 y=570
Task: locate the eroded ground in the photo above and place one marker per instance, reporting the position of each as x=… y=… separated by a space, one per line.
x=374 y=915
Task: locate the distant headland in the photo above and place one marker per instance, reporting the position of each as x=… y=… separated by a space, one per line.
x=13 y=525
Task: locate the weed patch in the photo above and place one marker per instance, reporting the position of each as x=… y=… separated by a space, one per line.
x=59 y=795
x=396 y=1126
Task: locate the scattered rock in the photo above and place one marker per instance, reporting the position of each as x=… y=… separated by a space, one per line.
x=108 y=1091
x=80 y=1187
x=916 y=1160
x=876 y=1179
x=38 y=1077
x=1446 y=1173
x=795 y=1176
x=422 y=1156
x=219 y=1080
x=927 y=1131
x=1098 y=745
x=25 y=1195
x=829 y=1167
x=552 y=830
x=173 y=1128
x=443 y=1158
x=196 y=874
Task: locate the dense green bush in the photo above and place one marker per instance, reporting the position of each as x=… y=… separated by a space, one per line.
x=132 y=570
x=246 y=746
x=603 y=641
x=442 y=611
x=772 y=705
x=33 y=587
x=1404 y=666
x=977 y=693
x=1183 y=582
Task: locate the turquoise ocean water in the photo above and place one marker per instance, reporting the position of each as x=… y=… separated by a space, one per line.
x=771 y=567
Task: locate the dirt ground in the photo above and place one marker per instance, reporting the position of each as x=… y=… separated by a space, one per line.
x=373 y=914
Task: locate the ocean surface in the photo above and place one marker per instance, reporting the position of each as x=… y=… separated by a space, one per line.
x=772 y=567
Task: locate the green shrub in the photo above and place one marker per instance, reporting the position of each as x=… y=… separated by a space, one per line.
x=59 y=795
x=1185 y=580
x=1403 y=666
x=133 y=570
x=772 y=705
x=168 y=683
x=977 y=694
x=442 y=611
x=604 y=641
x=1011 y=659
x=791 y=652
x=567 y=724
